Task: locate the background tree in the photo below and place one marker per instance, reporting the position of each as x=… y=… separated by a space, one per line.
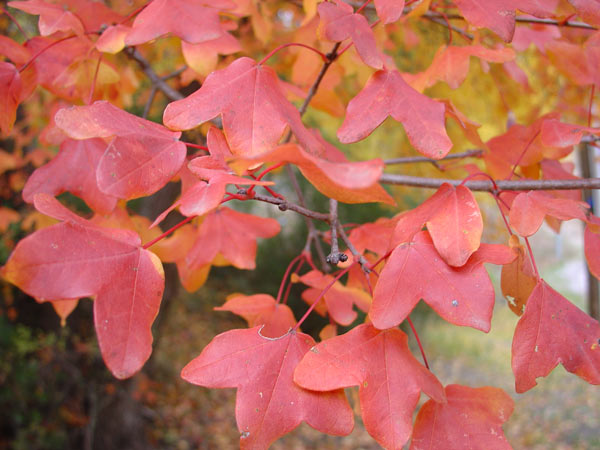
x=254 y=92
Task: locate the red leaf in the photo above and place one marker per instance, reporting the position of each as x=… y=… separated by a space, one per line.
x=592 y=249
x=348 y=182
x=389 y=10
x=254 y=109
x=472 y=418
x=386 y=93
x=232 y=235
x=553 y=331
x=203 y=57
x=261 y=309
x=518 y=278
x=462 y=296
x=558 y=134
x=499 y=15
x=268 y=403
x=528 y=210
x=10 y=95
x=374 y=236
x=73 y=170
x=141 y=156
x=193 y=21
x=339 y=298
x=53 y=17
x=588 y=10
x=453 y=220
x=389 y=378
x=75 y=259
x=338 y=23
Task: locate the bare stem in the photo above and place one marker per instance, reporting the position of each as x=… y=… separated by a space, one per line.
x=157 y=81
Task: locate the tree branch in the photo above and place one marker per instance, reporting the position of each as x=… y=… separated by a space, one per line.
x=420 y=159
x=335 y=256
x=516 y=185
x=284 y=205
x=157 y=81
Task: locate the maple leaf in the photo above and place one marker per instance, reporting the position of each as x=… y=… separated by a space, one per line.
x=451 y=64
x=339 y=299
x=268 y=403
x=462 y=296
x=553 y=330
x=72 y=170
x=472 y=418
x=10 y=96
x=389 y=378
x=517 y=278
x=374 y=236
x=528 y=210
x=499 y=15
x=453 y=220
x=53 y=17
x=254 y=109
x=555 y=133
x=75 y=259
x=165 y=16
x=261 y=309
x=348 y=182
x=386 y=93
x=338 y=23
x=140 y=157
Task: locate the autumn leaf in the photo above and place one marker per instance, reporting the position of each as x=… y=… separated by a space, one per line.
x=592 y=247
x=587 y=10
x=339 y=299
x=385 y=94
x=53 y=17
x=453 y=220
x=254 y=109
x=518 y=278
x=261 y=309
x=389 y=378
x=10 y=95
x=75 y=259
x=73 y=170
x=268 y=403
x=555 y=133
x=462 y=296
x=193 y=21
x=552 y=330
x=338 y=23
x=348 y=182
x=528 y=210
x=389 y=10
x=203 y=57
x=140 y=157
x=472 y=418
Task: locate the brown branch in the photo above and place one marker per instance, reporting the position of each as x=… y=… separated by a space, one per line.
x=443 y=23
x=284 y=205
x=516 y=185
x=157 y=81
x=420 y=159
x=357 y=256
x=522 y=19
x=335 y=256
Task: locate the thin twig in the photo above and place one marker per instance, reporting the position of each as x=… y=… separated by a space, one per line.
x=420 y=159
x=357 y=256
x=284 y=205
x=516 y=185
x=148 y=104
x=157 y=81
x=335 y=256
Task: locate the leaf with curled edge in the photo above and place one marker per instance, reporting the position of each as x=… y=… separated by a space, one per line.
x=75 y=259
x=268 y=404
x=73 y=170
x=461 y=295
x=140 y=157
x=11 y=88
x=471 y=418
x=518 y=278
x=53 y=17
x=261 y=309
x=387 y=94
x=528 y=210
x=345 y=181
x=388 y=376
x=453 y=220
x=338 y=23
x=193 y=21
x=252 y=104
x=553 y=330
